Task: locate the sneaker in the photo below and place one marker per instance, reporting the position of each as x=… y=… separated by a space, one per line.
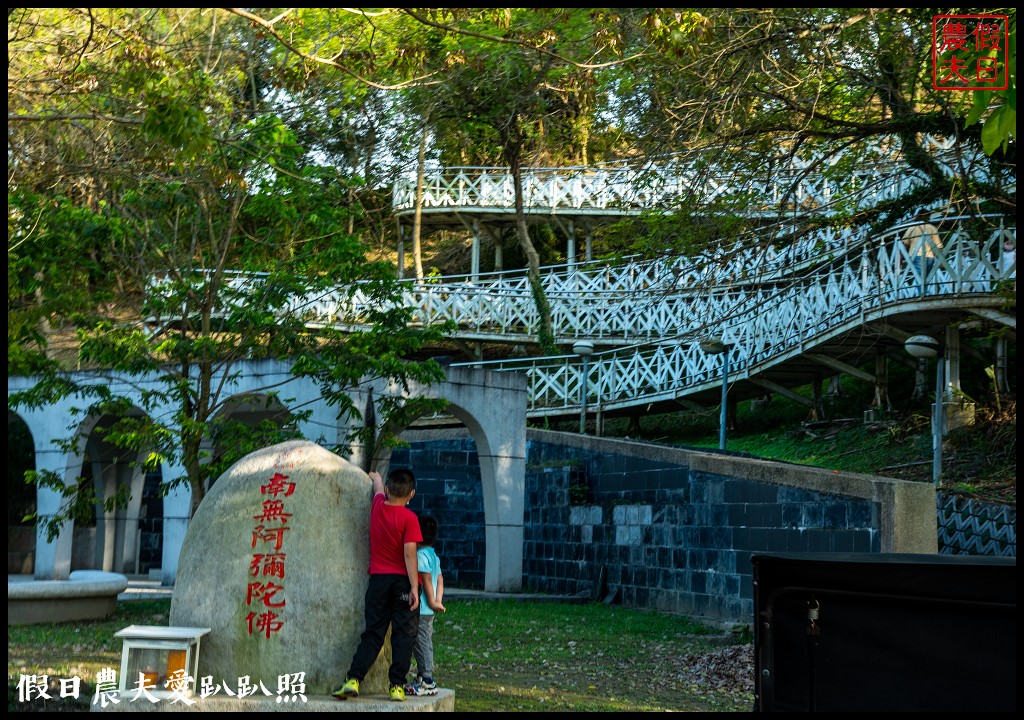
x=398 y=693
x=421 y=687
x=349 y=689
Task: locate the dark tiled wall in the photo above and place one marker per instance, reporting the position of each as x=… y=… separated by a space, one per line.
x=641 y=532
x=448 y=487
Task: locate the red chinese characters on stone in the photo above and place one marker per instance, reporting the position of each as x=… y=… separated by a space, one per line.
x=277 y=485
x=269 y=564
x=270 y=530
x=273 y=535
x=264 y=623
x=273 y=510
x=264 y=592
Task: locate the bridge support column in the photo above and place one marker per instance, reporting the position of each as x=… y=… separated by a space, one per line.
x=952 y=360
x=1002 y=383
x=177 y=513
x=401 y=251
x=474 y=269
x=818 y=405
x=958 y=412
x=570 y=246
x=920 y=387
x=881 y=400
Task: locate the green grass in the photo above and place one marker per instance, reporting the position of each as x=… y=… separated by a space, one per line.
x=78 y=649
x=979 y=461
x=778 y=432
x=497 y=655
x=516 y=656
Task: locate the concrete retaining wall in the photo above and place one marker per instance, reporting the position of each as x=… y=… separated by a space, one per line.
x=661 y=527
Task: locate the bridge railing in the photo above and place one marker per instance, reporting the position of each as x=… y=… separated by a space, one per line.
x=633 y=302
x=859 y=176
x=637 y=300
x=761 y=324
x=761 y=321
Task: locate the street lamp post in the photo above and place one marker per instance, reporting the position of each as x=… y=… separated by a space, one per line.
x=583 y=348
x=715 y=346
x=924 y=346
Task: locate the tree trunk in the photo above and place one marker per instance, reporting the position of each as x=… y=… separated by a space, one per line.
x=545 y=335
x=417 y=221
x=45 y=329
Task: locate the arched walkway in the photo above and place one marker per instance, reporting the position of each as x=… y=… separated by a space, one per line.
x=492 y=405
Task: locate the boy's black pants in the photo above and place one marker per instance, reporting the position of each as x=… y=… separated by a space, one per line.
x=387 y=603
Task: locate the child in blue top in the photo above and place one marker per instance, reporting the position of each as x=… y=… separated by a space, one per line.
x=431 y=592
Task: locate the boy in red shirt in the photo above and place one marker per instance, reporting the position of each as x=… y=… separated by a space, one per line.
x=392 y=597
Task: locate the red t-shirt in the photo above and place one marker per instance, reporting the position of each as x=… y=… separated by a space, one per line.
x=391 y=527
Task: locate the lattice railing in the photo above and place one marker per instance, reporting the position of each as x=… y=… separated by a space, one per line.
x=769 y=296
x=761 y=318
x=972 y=527
x=764 y=322
x=629 y=303
x=858 y=176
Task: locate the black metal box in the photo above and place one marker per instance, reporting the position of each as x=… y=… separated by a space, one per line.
x=860 y=632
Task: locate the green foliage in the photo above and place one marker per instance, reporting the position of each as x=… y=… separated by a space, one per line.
x=232 y=439
x=201 y=232
x=676 y=31
x=80 y=503
x=172 y=119
x=579 y=494
x=545 y=336
x=45 y=290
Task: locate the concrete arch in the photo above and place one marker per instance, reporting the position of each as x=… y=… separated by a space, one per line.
x=48 y=428
x=247 y=408
x=113 y=546
x=21 y=498
x=492 y=406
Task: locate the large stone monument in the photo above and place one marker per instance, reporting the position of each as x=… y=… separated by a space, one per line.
x=275 y=564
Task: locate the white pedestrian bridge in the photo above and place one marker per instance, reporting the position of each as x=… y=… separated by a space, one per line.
x=791 y=305
x=788 y=313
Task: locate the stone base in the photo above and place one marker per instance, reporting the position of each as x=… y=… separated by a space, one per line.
x=444 y=701
x=85 y=595
x=956 y=414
